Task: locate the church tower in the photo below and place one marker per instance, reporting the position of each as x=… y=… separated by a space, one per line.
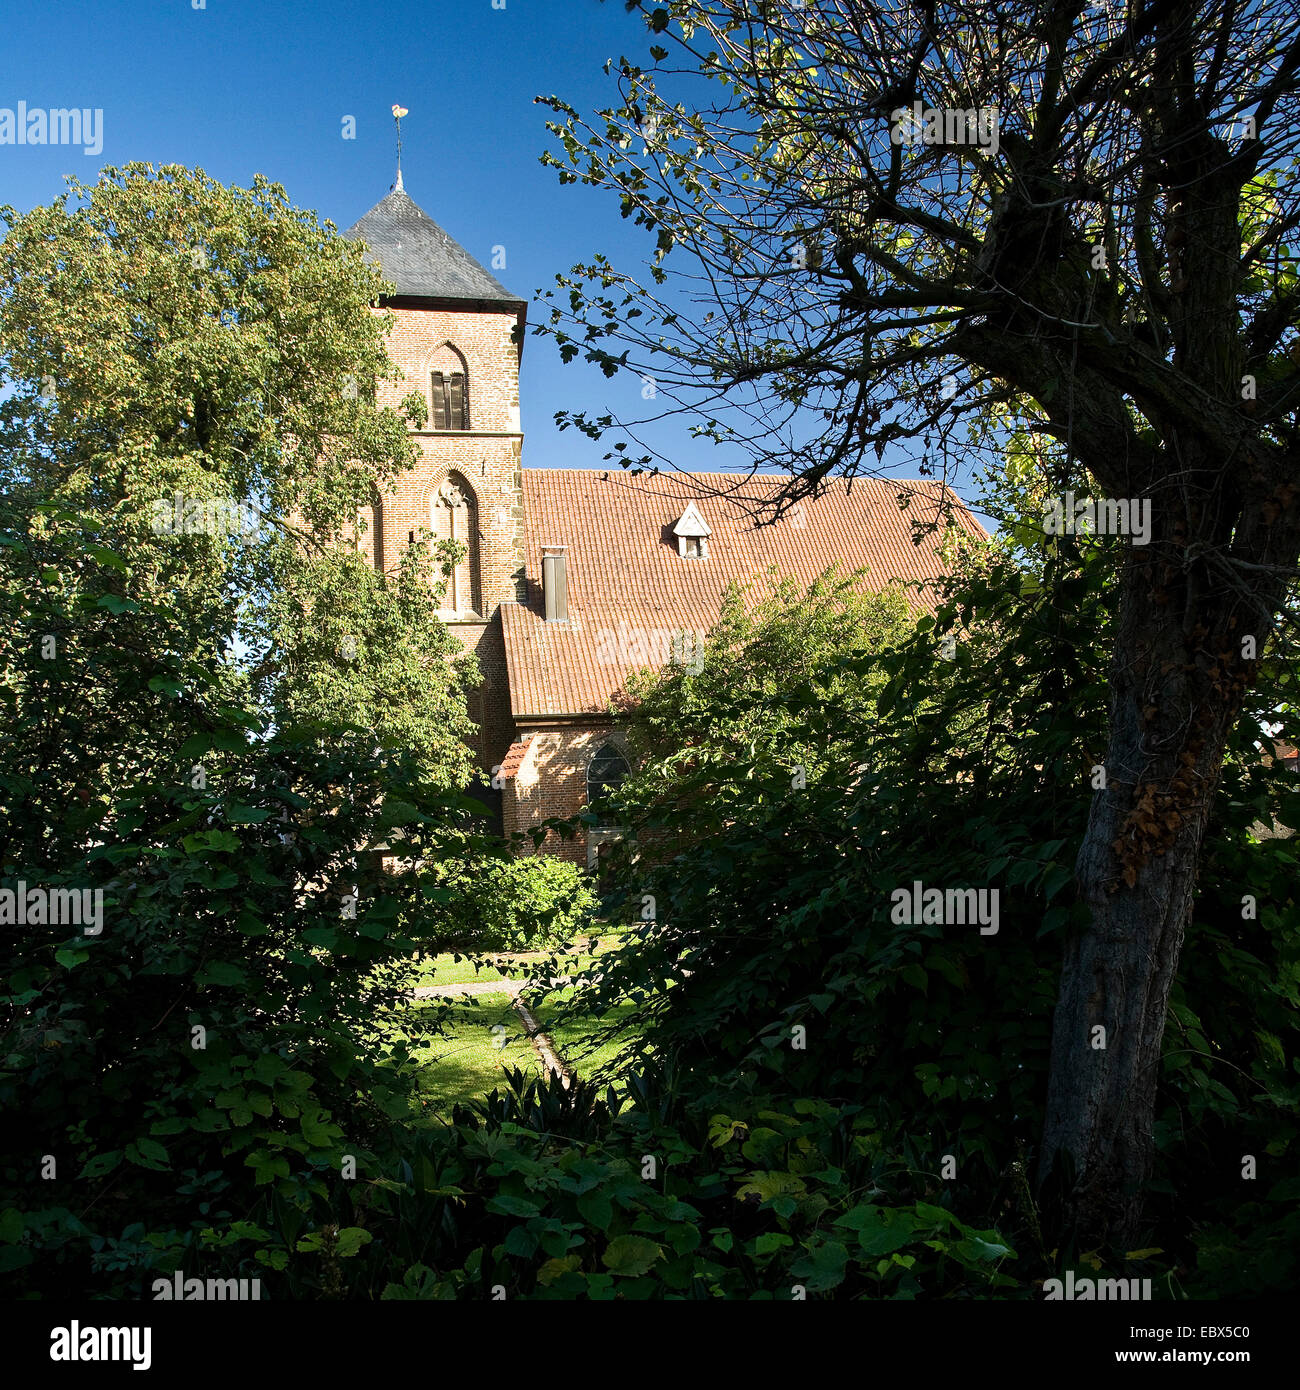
x=452 y=342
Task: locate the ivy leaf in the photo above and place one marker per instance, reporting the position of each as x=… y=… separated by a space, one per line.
x=822 y=1268
x=596 y=1209
x=557 y=1269
x=148 y=1153
x=520 y=1241
x=221 y=972
x=506 y=1205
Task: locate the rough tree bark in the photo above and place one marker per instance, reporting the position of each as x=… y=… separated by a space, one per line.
x=1190 y=623
x=1225 y=516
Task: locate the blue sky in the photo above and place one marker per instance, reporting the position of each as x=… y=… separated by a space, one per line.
x=240 y=88
x=262 y=86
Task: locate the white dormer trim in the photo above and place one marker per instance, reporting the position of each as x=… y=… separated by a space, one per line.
x=692 y=532
x=691 y=523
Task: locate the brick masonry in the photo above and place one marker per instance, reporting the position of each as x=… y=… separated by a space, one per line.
x=485 y=460
x=620 y=562
x=552 y=782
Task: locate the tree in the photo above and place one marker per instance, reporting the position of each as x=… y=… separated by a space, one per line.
x=906 y=220
x=769 y=632
x=206 y=1033
x=348 y=644
x=181 y=463
x=770 y=635
x=194 y=367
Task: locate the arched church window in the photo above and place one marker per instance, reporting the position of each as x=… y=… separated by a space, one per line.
x=454 y=517
x=370 y=533
x=448 y=388
x=607 y=768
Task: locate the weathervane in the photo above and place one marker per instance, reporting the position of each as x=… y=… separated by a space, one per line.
x=398 y=113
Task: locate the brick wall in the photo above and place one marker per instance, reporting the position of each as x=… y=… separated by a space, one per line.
x=487 y=458
x=553 y=782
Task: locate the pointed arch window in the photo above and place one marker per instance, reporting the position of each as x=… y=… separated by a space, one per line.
x=454 y=517
x=606 y=770
x=370 y=542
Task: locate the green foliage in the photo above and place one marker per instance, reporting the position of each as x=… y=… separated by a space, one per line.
x=551 y=1194
x=768 y=635
x=350 y=645
x=220 y=1047
x=214 y=1052
x=511 y=904
x=788 y=974
x=165 y=338
x=204 y=1071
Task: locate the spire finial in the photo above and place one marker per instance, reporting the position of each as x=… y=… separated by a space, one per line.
x=398 y=113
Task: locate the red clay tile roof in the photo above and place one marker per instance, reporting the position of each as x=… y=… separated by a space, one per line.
x=622 y=564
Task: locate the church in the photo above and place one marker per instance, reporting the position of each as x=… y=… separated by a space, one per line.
x=575 y=577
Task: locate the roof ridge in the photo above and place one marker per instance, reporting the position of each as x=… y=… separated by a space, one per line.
x=731 y=477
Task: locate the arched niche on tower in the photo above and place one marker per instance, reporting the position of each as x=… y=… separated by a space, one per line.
x=453 y=515
x=370 y=531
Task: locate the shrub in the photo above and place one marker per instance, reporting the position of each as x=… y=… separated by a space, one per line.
x=513 y=904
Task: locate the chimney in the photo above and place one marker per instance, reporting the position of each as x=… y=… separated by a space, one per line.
x=555 y=584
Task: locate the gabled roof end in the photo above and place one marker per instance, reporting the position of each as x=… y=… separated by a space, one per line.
x=691 y=523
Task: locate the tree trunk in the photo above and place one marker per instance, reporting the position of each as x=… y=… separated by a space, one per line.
x=1117 y=973
x=1178 y=679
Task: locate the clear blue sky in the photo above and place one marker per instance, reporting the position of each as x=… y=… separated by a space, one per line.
x=262 y=86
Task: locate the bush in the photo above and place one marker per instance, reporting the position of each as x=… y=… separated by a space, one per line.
x=790 y=975
x=514 y=904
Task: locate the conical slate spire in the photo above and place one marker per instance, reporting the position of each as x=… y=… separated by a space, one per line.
x=420 y=258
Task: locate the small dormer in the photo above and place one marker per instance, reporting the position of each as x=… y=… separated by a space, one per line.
x=692 y=533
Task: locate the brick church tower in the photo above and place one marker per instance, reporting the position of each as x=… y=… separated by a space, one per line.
x=452 y=342
x=576 y=577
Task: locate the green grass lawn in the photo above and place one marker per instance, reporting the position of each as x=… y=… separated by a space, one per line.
x=466 y=1062
x=445 y=969
x=569 y=1032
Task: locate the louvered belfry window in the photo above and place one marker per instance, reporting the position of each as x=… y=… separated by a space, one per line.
x=450 y=401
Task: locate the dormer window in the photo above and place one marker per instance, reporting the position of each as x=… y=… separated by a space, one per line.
x=692 y=533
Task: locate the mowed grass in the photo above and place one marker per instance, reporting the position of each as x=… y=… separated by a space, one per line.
x=456 y=968
x=467 y=1060
x=446 y=969
x=571 y=1031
